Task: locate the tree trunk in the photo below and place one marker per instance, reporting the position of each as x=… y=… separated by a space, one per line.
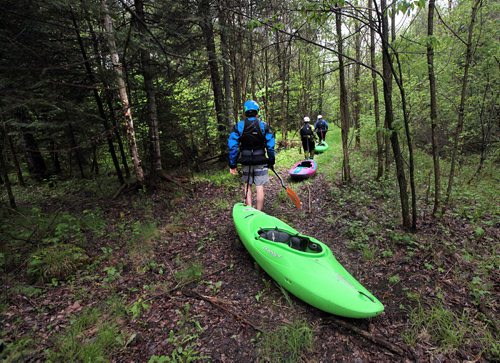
x=95 y=162
x=389 y=117
x=34 y=158
x=406 y=120
x=356 y=96
x=267 y=103
x=463 y=98
x=54 y=155
x=376 y=105
x=147 y=72
x=5 y=174
x=75 y=148
x=127 y=112
x=208 y=32
x=235 y=51
x=116 y=130
x=97 y=97
x=226 y=71
x=433 y=111
x=281 y=55
x=321 y=87
x=344 y=106
x=13 y=152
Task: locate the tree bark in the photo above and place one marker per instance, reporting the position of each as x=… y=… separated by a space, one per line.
x=433 y=110
x=34 y=158
x=5 y=174
x=463 y=98
x=344 y=106
x=226 y=71
x=376 y=105
x=54 y=155
x=147 y=72
x=127 y=112
x=97 y=98
x=109 y=100
x=389 y=117
x=356 y=96
x=75 y=148
x=208 y=32
x=13 y=152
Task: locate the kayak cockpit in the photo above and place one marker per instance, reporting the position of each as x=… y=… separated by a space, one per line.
x=306 y=164
x=295 y=241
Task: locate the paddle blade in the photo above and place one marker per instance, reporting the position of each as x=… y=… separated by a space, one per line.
x=294 y=197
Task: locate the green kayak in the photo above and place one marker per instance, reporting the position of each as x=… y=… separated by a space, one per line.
x=321 y=147
x=303 y=265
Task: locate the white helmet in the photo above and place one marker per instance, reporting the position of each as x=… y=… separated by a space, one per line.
x=307 y=119
x=319 y=116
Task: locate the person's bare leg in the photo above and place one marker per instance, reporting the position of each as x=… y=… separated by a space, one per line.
x=248 y=200
x=260 y=196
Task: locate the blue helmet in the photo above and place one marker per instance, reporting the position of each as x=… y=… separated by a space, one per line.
x=251 y=105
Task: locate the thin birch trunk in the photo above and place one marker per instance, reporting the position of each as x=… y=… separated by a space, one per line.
x=97 y=97
x=127 y=111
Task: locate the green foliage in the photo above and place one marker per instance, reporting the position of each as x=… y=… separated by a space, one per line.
x=19 y=350
x=27 y=290
x=287 y=343
x=112 y=273
x=394 y=279
x=56 y=262
x=192 y=272
x=138 y=308
x=183 y=339
x=439 y=326
x=91 y=337
x=480 y=290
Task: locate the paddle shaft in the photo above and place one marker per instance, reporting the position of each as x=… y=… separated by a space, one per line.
x=279 y=177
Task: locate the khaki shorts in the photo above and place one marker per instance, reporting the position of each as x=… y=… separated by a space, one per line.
x=255 y=174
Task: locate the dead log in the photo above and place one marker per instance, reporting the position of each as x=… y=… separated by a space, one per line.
x=120 y=190
x=220 y=304
x=375 y=339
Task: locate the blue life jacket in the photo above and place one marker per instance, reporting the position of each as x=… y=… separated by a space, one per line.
x=250 y=138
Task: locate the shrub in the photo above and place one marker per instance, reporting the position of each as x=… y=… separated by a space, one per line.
x=56 y=262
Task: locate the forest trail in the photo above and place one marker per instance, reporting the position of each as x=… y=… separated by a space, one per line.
x=192 y=278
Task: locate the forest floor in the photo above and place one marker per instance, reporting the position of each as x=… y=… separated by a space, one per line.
x=170 y=281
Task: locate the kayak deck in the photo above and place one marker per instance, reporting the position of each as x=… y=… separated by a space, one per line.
x=303 y=265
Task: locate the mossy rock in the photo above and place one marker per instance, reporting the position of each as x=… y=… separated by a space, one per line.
x=56 y=262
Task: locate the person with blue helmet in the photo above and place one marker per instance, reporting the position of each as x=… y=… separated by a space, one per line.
x=321 y=127
x=250 y=139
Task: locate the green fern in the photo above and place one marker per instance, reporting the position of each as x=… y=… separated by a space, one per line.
x=56 y=262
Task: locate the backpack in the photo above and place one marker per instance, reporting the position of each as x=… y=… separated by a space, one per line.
x=253 y=143
x=306 y=130
x=322 y=125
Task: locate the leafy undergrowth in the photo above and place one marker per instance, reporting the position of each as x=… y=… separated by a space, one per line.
x=164 y=277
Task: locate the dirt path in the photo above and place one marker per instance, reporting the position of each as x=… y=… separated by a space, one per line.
x=235 y=302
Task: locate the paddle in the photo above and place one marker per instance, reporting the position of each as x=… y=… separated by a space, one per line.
x=293 y=196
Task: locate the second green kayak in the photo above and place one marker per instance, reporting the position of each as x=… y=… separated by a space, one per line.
x=321 y=147
x=303 y=265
